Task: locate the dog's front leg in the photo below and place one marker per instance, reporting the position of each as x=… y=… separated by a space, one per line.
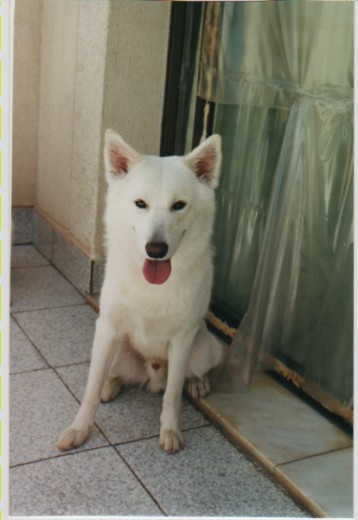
x=171 y=439
x=102 y=355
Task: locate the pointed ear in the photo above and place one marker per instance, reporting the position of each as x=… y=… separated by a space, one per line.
x=205 y=161
x=119 y=157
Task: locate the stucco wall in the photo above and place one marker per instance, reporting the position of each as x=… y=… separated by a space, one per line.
x=102 y=64
x=74 y=36
x=138 y=36
x=26 y=81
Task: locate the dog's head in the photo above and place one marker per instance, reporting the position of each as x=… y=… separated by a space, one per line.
x=160 y=198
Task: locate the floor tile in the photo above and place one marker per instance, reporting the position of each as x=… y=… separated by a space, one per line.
x=326 y=479
x=22 y=218
x=40 y=408
x=276 y=423
x=63 y=335
x=72 y=262
x=97 y=482
x=23 y=355
x=26 y=256
x=134 y=414
x=41 y=288
x=42 y=235
x=210 y=477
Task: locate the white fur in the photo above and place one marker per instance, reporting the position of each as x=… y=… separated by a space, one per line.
x=147 y=333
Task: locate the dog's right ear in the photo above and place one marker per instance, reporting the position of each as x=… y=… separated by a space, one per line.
x=119 y=157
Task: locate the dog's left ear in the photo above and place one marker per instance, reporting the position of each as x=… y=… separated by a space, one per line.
x=119 y=157
x=205 y=160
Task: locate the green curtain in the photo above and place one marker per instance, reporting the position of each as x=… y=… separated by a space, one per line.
x=281 y=75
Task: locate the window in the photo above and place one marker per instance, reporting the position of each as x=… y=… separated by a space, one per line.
x=276 y=81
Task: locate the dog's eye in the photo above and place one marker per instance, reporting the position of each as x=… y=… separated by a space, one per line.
x=178 y=206
x=141 y=204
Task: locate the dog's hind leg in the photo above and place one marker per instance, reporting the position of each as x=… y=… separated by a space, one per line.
x=206 y=354
x=111 y=388
x=128 y=367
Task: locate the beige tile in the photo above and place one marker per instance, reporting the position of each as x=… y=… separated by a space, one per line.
x=276 y=425
x=26 y=256
x=326 y=480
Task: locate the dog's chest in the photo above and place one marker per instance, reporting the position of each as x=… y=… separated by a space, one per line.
x=148 y=341
x=149 y=337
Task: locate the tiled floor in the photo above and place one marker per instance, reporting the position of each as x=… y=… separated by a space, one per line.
x=121 y=470
x=298 y=444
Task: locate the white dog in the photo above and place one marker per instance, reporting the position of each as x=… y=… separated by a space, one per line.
x=156 y=291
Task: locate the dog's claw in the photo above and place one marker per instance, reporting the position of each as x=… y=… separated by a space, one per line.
x=171 y=441
x=71 y=438
x=198 y=387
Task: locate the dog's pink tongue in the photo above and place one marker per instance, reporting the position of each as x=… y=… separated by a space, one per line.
x=157 y=271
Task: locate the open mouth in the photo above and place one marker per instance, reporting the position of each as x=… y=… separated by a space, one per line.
x=156 y=271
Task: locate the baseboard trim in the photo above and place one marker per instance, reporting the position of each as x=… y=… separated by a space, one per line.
x=55 y=244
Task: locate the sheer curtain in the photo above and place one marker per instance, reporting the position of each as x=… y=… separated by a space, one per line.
x=281 y=76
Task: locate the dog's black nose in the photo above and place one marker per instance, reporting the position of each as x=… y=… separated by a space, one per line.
x=156 y=249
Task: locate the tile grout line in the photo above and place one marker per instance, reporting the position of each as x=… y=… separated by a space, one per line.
x=38 y=309
x=50 y=264
x=121 y=443
x=17 y=267
x=263 y=460
x=297 y=493
x=111 y=445
x=49 y=367
x=312 y=456
x=55 y=371
x=212 y=422
x=69 y=305
x=68 y=453
x=29 y=371
x=140 y=482
x=31 y=342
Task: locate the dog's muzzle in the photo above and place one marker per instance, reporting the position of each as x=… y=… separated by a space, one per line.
x=156 y=270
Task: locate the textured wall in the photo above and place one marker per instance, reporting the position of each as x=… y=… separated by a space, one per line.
x=138 y=36
x=74 y=35
x=102 y=64
x=26 y=80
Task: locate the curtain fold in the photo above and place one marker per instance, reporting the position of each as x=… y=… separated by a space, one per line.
x=282 y=81
x=270 y=53
x=301 y=307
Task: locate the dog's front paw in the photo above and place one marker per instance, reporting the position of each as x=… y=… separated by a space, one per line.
x=171 y=440
x=71 y=438
x=198 y=387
